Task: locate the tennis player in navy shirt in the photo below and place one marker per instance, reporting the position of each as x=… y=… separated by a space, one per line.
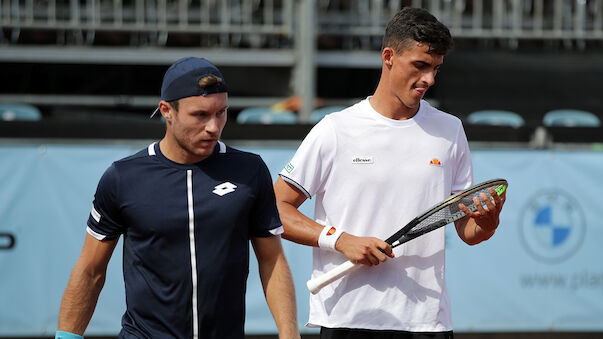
x=187 y=207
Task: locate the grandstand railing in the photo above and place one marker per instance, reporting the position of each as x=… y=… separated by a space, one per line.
x=284 y=33
x=481 y=19
x=270 y=23
x=229 y=22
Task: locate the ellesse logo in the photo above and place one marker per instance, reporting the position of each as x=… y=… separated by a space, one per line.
x=362 y=159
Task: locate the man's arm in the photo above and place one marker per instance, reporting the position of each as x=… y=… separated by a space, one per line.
x=480 y=225
x=277 y=283
x=85 y=284
x=305 y=231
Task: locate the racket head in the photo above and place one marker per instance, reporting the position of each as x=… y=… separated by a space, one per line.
x=447 y=211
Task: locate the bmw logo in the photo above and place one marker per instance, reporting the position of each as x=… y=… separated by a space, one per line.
x=552 y=226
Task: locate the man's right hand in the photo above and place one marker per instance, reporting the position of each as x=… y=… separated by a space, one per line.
x=363 y=250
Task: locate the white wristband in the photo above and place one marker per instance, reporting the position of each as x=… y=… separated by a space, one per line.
x=328 y=237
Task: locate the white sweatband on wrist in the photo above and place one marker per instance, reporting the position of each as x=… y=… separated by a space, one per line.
x=328 y=237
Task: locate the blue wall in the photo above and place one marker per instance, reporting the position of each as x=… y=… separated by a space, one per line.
x=543 y=270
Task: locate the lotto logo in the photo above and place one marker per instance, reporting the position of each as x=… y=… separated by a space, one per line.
x=224 y=188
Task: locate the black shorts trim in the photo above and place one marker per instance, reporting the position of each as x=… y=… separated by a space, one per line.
x=355 y=333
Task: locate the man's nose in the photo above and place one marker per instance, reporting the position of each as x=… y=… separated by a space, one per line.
x=429 y=78
x=212 y=125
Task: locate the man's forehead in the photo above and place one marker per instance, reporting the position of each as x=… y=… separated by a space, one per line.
x=422 y=52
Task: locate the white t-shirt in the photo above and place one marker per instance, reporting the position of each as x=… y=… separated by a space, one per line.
x=370 y=176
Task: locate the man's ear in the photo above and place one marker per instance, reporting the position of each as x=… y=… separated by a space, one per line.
x=387 y=56
x=166 y=110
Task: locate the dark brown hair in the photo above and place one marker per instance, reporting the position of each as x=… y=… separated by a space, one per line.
x=416 y=24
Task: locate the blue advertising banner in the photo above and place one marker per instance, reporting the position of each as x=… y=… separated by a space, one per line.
x=541 y=271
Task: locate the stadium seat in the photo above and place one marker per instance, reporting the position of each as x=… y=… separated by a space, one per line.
x=265 y=115
x=495 y=118
x=319 y=113
x=19 y=112
x=570 y=118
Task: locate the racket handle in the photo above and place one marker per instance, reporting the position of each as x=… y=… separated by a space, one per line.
x=316 y=284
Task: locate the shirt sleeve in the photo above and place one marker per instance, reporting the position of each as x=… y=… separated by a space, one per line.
x=463 y=176
x=265 y=220
x=104 y=222
x=309 y=168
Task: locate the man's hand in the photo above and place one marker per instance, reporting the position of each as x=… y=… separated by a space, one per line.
x=486 y=218
x=481 y=224
x=363 y=250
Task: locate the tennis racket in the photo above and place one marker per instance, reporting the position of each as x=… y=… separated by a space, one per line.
x=440 y=215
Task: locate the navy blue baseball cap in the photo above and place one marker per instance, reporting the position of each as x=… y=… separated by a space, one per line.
x=181 y=80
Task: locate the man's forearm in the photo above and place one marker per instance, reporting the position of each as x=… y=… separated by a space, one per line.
x=79 y=301
x=277 y=283
x=280 y=294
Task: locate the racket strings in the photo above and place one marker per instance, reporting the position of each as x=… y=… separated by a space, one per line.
x=433 y=220
x=448 y=213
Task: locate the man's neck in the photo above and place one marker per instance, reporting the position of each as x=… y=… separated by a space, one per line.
x=171 y=150
x=390 y=106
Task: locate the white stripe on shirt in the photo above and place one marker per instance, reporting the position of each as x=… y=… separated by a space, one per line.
x=151 y=149
x=222 y=146
x=96 y=235
x=95 y=215
x=277 y=231
x=191 y=232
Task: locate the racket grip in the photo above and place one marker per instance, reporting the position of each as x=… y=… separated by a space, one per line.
x=316 y=284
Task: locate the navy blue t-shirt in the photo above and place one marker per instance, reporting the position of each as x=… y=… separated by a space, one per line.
x=177 y=219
